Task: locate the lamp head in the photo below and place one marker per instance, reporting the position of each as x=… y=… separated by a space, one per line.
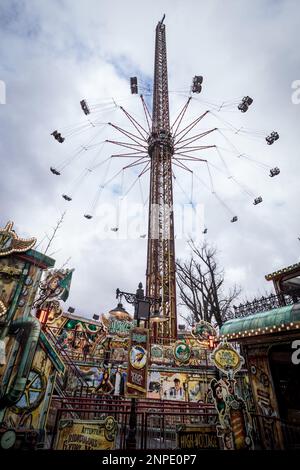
x=120 y=313
x=155 y=317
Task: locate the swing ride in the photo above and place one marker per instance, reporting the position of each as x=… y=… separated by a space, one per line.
x=182 y=140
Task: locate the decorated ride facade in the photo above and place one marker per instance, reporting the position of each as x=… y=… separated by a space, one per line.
x=114 y=360
x=180 y=370
x=268 y=332
x=29 y=365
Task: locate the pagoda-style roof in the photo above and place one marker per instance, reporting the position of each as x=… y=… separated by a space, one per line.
x=10 y=242
x=288 y=270
x=272 y=321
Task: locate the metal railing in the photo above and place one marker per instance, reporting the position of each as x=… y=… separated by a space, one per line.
x=160 y=429
x=262 y=304
x=156 y=421
x=54 y=340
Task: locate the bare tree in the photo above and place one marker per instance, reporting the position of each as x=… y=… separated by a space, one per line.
x=53 y=235
x=50 y=239
x=201 y=286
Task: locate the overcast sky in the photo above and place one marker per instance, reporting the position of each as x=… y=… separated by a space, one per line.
x=55 y=53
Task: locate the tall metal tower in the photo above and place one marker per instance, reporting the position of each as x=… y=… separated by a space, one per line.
x=161 y=248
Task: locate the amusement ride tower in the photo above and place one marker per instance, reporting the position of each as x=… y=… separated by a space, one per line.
x=160 y=274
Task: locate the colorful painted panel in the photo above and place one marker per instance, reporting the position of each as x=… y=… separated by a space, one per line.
x=80 y=338
x=182 y=386
x=138 y=363
x=197 y=437
x=87 y=435
x=174 y=386
x=264 y=396
x=105 y=380
x=31 y=410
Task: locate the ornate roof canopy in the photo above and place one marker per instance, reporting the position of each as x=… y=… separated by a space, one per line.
x=281 y=272
x=10 y=242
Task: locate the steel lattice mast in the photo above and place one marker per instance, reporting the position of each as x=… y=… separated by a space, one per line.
x=161 y=248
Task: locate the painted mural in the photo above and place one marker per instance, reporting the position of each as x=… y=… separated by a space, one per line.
x=80 y=337
x=204 y=333
x=234 y=421
x=12 y=276
x=174 y=387
x=31 y=410
x=109 y=380
x=264 y=396
x=54 y=287
x=186 y=352
x=179 y=386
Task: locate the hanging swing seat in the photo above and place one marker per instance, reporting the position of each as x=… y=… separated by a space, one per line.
x=272 y=138
x=84 y=107
x=197 y=82
x=54 y=171
x=274 y=171
x=245 y=103
x=257 y=200
x=66 y=197
x=57 y=136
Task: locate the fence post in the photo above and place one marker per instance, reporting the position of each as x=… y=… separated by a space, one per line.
x=57 y=419
x=146 y=430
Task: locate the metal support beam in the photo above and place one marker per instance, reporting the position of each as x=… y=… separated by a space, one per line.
x=161 y=247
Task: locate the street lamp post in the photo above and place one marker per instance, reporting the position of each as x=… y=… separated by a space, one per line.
x=142 y=311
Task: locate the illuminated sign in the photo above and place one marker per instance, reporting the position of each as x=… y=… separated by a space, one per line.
x=119 y=327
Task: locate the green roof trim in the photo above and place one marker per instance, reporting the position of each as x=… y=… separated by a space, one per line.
x=40 y=257
x=276 y=317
